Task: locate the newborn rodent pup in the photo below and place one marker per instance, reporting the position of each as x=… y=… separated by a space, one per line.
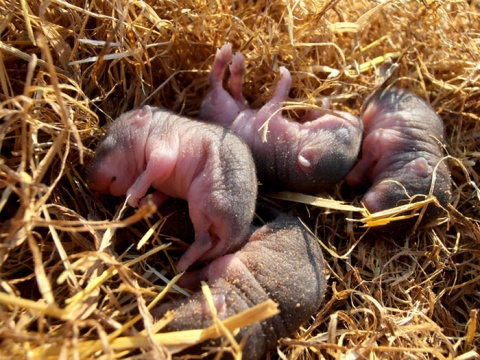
x=401 y=153
x=308 y=156
x=205 y=164
x=281 y=261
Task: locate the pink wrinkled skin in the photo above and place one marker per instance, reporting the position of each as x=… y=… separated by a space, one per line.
x=401 y=152
x=205 y=164
x=311 y=155
x=281 y=261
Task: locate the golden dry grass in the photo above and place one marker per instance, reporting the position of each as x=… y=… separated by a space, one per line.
x=73 y=281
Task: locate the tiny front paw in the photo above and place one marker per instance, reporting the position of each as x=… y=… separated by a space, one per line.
x=132 y=200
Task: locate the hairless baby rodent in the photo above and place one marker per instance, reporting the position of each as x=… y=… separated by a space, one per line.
x=281 y=261
x=309 y=156
x=206 y=164
x=402 y=153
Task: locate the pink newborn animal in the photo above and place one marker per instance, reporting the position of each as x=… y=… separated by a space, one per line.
x=402 y=151
x=205 y=164
x=307 y=156
x=282 y=261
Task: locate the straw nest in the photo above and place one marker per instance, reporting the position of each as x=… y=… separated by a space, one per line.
x=79 y=272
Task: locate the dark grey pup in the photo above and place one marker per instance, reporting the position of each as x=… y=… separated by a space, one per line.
x=281 y=261
x=310 y=155
x=402 y=153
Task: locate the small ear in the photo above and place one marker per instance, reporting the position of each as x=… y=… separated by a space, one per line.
x=306 y=159
x=304 y=162
x=143 y=116
x=419 y=167
x=218 y=301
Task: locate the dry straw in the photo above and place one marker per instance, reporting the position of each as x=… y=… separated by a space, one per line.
x=74 y=284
